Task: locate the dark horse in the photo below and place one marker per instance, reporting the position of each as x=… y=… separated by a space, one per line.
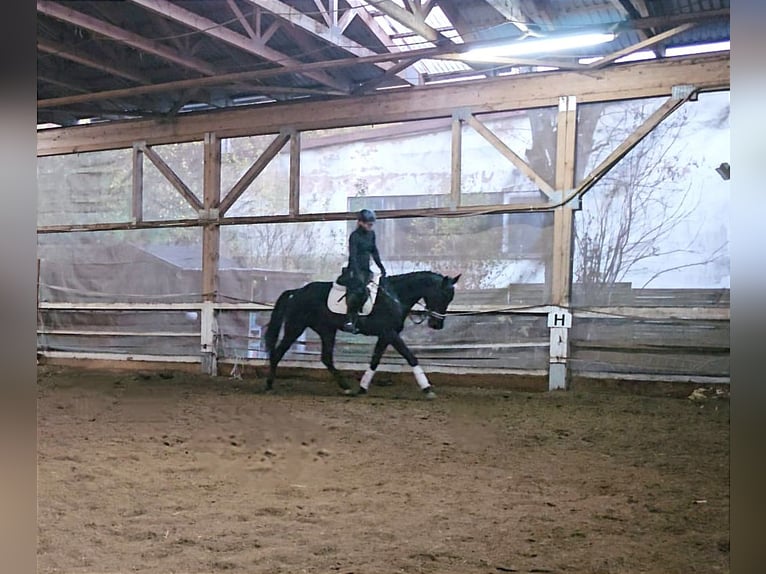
x=306 y=307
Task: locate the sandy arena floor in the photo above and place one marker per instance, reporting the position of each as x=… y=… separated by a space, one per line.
x=185 y=473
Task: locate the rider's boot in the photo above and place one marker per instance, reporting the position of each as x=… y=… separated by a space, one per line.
x=350 y=325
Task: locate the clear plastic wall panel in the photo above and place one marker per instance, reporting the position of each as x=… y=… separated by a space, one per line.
x=490 y=341
x=275 y=257
x=161 y=199
x=655 y=230
x=269 y=193
x=410 y=158
x=152 y=265
x=93 y=187
x=486 y=341
x=603 y=126
x=149 y=332
x=654 y=347
x=488 y=177
x=502 y=257
x=240 y=334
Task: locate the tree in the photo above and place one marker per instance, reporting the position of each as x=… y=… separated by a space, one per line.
x=631 y=219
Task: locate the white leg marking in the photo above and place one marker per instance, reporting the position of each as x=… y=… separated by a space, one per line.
x=420 y=377
x=367 y=379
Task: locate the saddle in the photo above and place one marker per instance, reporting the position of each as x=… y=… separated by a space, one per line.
x=336 y=300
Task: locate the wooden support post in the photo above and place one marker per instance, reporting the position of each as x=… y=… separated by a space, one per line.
x=211 y=245
x=563 y=236
x=295 y=172
x=457 y=151
x=138 y=182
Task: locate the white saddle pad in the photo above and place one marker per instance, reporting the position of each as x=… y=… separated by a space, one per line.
x=336 y=300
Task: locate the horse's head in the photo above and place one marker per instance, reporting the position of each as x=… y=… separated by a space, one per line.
x=438 y=299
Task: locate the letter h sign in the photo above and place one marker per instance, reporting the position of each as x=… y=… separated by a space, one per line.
x=560 y=318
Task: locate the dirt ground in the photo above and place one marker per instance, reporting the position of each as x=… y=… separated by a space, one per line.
x=184 y=473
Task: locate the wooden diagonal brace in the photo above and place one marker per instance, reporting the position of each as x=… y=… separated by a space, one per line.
x=640 y=45
x=171 y=176
x=662 y=113
x=249 y=176
x=512 y=156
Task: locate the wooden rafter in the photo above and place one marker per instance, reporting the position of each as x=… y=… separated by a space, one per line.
x=68 y=53
x=523 y=13
x=325 y=32
x=358 y=9
x=375 y=82
x=323 y=12
x=511 y=11
x=651 y=41
x=627 y=8
x=62 y=84
x=66 y=14
x=415 y=22
x=175 y=12
x=242 y=20
x=674 y=20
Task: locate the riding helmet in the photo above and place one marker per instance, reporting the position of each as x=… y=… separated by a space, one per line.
x=366 y=216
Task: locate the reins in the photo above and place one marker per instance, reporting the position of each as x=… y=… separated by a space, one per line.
x=428 y=312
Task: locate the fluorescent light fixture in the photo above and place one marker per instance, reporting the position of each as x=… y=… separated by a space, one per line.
x=698 y=49
x=538 y=46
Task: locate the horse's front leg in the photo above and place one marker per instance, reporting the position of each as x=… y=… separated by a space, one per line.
x=417 y=370
x=328 y=348
x=377 y=354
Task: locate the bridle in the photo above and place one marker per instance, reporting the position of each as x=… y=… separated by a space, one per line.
x=428 y=313
x=425 y=310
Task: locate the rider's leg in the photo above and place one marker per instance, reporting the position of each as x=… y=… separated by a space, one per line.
x=353 y=304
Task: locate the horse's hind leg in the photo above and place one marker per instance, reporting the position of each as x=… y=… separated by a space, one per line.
x=328 y=346
x=291 y=334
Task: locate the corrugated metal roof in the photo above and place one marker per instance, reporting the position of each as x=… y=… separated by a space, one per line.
x=75 y=61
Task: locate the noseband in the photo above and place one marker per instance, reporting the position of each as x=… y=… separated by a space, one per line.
x=427 y=312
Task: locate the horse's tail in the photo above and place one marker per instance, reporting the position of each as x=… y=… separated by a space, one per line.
x=277 y=318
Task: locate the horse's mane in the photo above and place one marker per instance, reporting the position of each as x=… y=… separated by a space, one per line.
x=413 y=275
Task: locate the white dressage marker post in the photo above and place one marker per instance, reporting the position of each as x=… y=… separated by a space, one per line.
x=559 y=323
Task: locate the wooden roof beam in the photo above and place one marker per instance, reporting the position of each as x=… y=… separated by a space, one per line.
x=358 y=9
x=415 y=22
x=242 y=20
x=627 y=8
x=628 y=81
x=216 y=30
x=674 y=20
x=651 y=41
x=329 y=34
x=525 y=11
x=66 y=14
x=511 y=11
x=66 y=52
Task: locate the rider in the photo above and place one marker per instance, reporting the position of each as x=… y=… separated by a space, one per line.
x=361 y=245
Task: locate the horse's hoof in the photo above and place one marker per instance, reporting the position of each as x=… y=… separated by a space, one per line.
x=348 y=392
x=360 y=392
x=429 y=393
